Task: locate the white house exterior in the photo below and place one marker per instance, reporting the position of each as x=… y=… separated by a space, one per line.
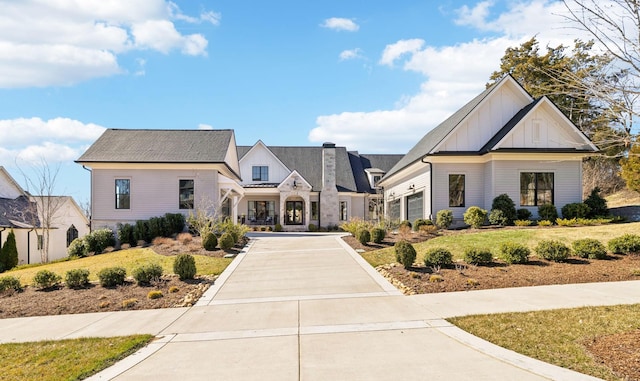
x=23 y=214
x=502 y=141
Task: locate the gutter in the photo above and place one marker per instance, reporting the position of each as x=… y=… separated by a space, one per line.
x=29 y=245
x=91 y=197
x=430 y=186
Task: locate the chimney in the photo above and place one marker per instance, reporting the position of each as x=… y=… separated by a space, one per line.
x=329 y=195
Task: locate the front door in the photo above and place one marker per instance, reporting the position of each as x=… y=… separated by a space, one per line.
x=294 y=215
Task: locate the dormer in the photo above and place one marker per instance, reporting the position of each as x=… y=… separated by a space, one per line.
x=374 y=175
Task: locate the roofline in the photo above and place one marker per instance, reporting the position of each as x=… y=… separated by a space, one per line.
x=226 y=165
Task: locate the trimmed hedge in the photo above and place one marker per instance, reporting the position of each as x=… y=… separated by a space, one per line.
x=112 y=276
x=552 y=250
x=77 y=278
x=438 y=256
x=444 y=218
x=405 y=253
x=477 y=256
x=589 y=248
x=46 y=279
x=625 y=244
x=145 y=274
x=475 y=216
x=512 y=252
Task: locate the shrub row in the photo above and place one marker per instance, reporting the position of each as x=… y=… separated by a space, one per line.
x=95 y=242
x=146 y=230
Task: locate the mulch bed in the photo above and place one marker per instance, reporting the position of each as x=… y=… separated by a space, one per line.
x=619 y=352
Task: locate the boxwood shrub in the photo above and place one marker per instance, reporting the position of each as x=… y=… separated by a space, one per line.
x=512 y=252
x=77 y=278
x=438 y=256
x=477 y=256
x=444 y=218
x=377 y=235
x=112 y=276
x=625 y=244
x=547 y=212
x=185 y=266
x=145 y=274
x=552 y=250
x=589 y=248
x=46 y=279
x=405 y=253
x=363 y=236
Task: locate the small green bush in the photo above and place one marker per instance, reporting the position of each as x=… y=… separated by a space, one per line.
x=511 y=252
x=405 y=223
x=145 y=274
x=76 y=278
x=209 y=241
x=141 y=231
x=444 y=218
x=505 y=204
x=552 y=250
x=378 y=235
x=597 y=204
x=125 y=234
x=175 y=223
x=10 y=283
x=625 y=244
x=185 y=266
x=405 y=253
x=112 y=276
x=545 y=223
x=589 y=248
x=46 y=279
x=523 y=214
x=277 y=228
x=477 y=256
x=99 y=239
x=566 y=221
x=313 y=228
x=418 y=223
x=497 y=217
x=547 y=212
x=226 y=241
x=523 y=222
x=363 y=236
x=475 y=216
x=576 y=210
x=154 y=294
x=78 y=248
x=438 y=256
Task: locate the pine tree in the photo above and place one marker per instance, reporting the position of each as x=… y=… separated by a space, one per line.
x=630 y=169
x=9 y=256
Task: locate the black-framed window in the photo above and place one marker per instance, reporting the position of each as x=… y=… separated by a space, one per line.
x=123 y=194
x=456 y=190
x=260 y=173
x=394 y=210
x=72 y=233
x=185 y=195
x=415 y=206
x=40 y=241
x=261 y=211
x=295 y=213
x=344 y=215
x=314 y=210
x=536 y=188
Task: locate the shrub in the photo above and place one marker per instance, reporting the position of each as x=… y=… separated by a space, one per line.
x=436 y=278
x=405 y=253
x=125 y=234
x=363 y=236
x=313 y=228
x=522 y=222
x=444 y=218
x=78 y=248
x=566 y=221
x=505 y=204
x=99 y=239
x=278 y=227
x=173 y=289
x=76 y=278
x=545 y=223
x=475 y=216
x=154 y=294
x=147 y=273
x=112 y=276
x=625 y=244
x=597 y=204
x=185 y=266
x=46 y=279
x=589 y=248
x=377 y=235
x=547 y=212
x=226 y=241
x=497 y=217
x=141 y=231
x=10 y=283
x=552 y=250
x=354 y=224
x=438 y=256
x=419 y=223
x=128 y=303
x=511 y=252
x=575 y=210
x=477 y=256
x=209 y=241
x=175 y=223
x=523 y=214
x=156 y=227
x=9 y=252
x=405 y=223
x=184 y=238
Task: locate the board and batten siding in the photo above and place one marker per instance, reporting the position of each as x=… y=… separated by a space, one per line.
x=419 y=182
x=154 y=192
x=260 y=156
x=567 y=180
x=474 y=186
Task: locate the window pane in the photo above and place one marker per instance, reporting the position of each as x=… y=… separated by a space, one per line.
x=314 y=210
x=536 y=188
x=456 y=190
x=343 y=211
x=527 y=189
x=394 y=210
x=260 y=173
x=123 y=194
x=186 y=194
x=415 y=206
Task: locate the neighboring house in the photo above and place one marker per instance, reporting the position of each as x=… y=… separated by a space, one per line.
x=502 y=141
x=138 y=174
x=23 y=213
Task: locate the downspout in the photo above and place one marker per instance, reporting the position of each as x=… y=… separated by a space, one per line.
x=29 y=246
x=430 y=186
x=90 y=197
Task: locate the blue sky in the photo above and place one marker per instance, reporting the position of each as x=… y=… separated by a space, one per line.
x=373 y=75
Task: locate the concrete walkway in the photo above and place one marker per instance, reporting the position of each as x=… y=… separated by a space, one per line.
x=307 y=307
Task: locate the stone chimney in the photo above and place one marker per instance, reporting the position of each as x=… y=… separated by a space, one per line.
x=329 y=195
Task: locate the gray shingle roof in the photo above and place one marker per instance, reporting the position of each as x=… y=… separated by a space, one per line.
x=18 y=213
x=159 y=146
x=360 y=162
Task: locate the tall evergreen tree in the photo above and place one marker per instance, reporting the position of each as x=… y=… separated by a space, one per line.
x=9 y=254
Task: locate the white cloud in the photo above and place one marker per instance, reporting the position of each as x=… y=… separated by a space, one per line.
x=203 y=126
x=453 y=76
x=351 y=54
x=54 y=140
x=337 y=23
x=61 y=42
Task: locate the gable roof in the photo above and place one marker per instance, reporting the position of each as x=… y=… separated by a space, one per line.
x=18 y=213
x=161 y=146
x=361 y=162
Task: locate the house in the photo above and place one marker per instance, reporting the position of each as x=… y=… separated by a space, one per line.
x=502 y=141
x=138 y=174
x=24 y=214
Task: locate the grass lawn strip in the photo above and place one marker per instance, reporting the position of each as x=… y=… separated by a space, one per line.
x=129 y=259
x=557 y=337
x=65 y=359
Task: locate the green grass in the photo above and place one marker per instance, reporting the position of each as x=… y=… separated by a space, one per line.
x=555 y=336
x=129 y=259
x=457 y=243
x=65 y=359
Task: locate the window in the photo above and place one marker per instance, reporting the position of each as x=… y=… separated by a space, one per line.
x=536 y=188
x=314 y=210
x=394 y=210
x=415 y=206
x=40 y=242
x=375 y=209
x=295 y=213
x=261 y=211
x=376 y=178
x=260 y=173
x=456 y=191
x=343 y=211
x=72 y=233
x=123 y=194
x=186 y=194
